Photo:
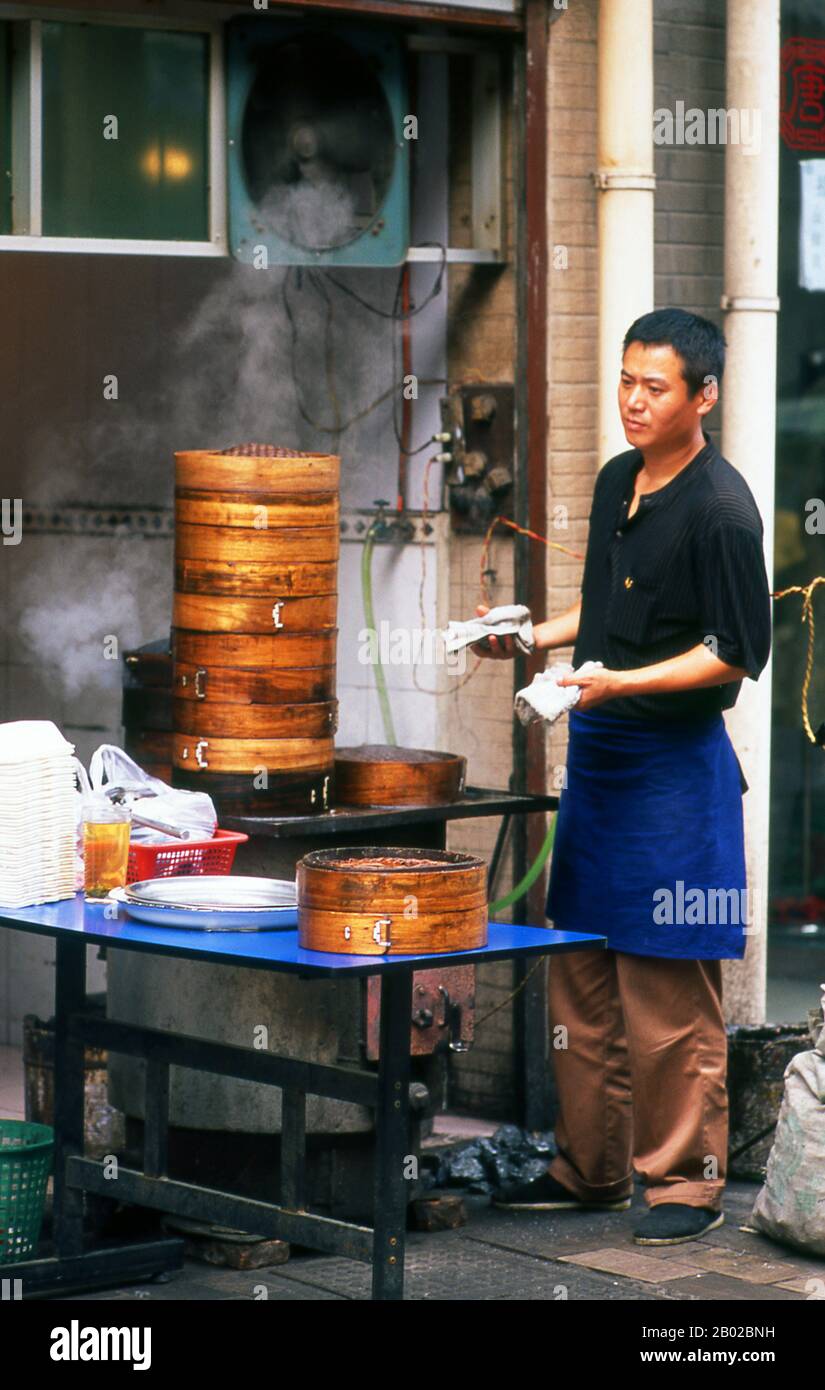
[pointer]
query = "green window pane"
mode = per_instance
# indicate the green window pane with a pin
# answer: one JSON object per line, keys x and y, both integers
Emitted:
{"x": 5, "y": 130}
{"x": 151, "y": 181}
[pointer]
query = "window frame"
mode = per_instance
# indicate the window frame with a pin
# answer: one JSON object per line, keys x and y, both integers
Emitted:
{"x": 27, "y": 139}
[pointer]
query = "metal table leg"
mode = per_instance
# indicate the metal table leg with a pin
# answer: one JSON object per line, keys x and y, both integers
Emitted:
{"x": 70, "y": 996}
{"x": 392, "y": 1137}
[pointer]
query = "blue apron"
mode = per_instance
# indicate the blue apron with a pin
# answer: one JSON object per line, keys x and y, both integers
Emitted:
{"x": 649, "y": 845}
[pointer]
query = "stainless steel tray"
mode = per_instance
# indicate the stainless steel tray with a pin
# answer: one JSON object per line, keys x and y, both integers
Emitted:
{"x": 212, "y": 902}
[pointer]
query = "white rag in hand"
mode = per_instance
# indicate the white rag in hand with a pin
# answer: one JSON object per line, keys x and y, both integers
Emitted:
{"x": 545, "y": 699}
{"x": 508, "y": 619}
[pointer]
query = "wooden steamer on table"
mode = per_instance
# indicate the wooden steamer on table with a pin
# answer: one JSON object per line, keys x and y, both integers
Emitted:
{"x": 370, "y": 901}
{"x": 379, "y": 774}
{"x": 254, "y": 628}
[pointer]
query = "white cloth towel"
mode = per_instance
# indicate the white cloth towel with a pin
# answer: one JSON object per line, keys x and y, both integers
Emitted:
{"x": 508, "y": 619}
{"x": 544, "y": 698}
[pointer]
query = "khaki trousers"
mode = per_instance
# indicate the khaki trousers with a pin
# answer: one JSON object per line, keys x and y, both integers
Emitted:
{"x": 640, "y": 1056}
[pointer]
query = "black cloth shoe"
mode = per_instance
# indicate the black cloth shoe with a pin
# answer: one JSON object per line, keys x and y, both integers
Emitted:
{"x": 671, "y": 1223}
{"x": 546, "y": 1194}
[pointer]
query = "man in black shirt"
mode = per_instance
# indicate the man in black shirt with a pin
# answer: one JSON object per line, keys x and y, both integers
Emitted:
{"x": 675, "y": 603}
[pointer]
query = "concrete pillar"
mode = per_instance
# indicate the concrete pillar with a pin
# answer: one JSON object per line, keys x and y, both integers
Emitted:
{"x": 625, "y": 181}
{"x": 749, "y": 396}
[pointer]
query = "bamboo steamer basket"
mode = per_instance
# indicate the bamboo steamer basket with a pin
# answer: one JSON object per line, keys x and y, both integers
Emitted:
{"x": 227, "y": 685}
{"x": 295, "y": 472}
{"x": 205, "y": 613}
{"x": 377, "y": 774}
{"x": 317, "y": 543}
{"x": 256, "y": 580}
{"x": 304, "y": 793}
{"x": 260, "y": 510}
{"x": 374, "y": 900}
{"x": 217, "y": 720}
{"x": 251, "y": 755}
{"x": 255, "y": 651}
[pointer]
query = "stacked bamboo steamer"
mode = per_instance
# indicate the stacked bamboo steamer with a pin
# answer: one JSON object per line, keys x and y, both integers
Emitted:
{"x": 254, "y": 627}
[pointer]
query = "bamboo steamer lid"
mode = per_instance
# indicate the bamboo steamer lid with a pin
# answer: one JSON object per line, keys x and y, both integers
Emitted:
{"x": 274, "y": 471}
{"x": 210, "y": 613}
{"x": 376, "y": 774}
{"x": 375, "y": 900}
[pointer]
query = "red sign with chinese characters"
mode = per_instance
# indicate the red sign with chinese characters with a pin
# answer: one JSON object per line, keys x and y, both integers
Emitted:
{"x": 802, "y": 118}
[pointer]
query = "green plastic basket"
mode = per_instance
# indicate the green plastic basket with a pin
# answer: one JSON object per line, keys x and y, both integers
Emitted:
{"x": 26, "y": 1154}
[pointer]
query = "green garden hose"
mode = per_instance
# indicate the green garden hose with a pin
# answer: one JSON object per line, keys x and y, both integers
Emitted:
{"x": 530, "y": 877}
{"x": 369, "y": 618}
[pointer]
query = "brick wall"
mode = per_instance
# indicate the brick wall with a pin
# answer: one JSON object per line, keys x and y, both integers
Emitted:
{"x": 689, "y": 65}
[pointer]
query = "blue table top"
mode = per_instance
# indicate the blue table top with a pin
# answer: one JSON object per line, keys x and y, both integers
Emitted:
{"x": 98, "y": 923}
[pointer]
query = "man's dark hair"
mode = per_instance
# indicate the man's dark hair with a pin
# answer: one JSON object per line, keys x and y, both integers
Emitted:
{"x": 699, "y": 343}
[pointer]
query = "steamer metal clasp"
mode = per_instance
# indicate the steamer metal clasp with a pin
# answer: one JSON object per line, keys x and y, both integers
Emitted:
{"x": 199, "y": 747}
{"x": 276, "y": 612}
{"x": 386, "y": 923}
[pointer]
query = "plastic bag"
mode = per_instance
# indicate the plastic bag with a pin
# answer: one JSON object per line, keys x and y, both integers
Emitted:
{"x": 149, "y": 796}
{"x": 790, "y": 1206}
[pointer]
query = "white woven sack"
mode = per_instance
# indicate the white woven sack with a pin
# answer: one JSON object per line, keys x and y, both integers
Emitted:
{"x": 790, "y": 1206}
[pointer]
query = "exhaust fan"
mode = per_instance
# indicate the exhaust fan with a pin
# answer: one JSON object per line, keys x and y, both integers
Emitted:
{"x": 318, "y": 162}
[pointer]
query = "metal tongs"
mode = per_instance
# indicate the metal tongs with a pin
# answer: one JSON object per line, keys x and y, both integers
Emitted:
{"x": 120, "y": 796}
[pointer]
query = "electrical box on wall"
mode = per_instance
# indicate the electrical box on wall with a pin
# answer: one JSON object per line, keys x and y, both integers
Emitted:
{"x": 479, "y": 422}
{"x": 318, "y": 162}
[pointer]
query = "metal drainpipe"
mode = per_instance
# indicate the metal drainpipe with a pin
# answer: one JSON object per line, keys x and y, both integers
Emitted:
{"x": 625, "y": 181}
{"x": 749, "y": 407}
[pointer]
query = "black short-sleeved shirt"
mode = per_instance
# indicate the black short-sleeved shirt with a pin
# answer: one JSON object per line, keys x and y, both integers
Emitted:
{"x": 688, "y": 567}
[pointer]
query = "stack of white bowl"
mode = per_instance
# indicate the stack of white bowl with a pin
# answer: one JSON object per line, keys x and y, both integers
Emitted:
{"x": 37, "y": 814}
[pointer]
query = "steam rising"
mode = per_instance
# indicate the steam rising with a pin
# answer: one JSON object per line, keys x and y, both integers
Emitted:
{"x": 113, "y": 593}
{"x": 204, "y": 356}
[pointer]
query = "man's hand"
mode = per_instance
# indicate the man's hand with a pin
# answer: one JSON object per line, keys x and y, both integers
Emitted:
{"x": 496, "y": 648}
{"x": 596, "y": 688}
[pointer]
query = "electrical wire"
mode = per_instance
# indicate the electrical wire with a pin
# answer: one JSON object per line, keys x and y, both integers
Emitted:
{"x": 394, "y": 313}
{"x": 523, "y": 531}
{"x": 341, "y": 426}
{"x": 807, "y": 616}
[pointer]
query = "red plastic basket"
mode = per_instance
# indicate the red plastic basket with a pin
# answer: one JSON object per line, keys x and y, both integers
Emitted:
{"x": 187, "y": 857}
